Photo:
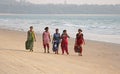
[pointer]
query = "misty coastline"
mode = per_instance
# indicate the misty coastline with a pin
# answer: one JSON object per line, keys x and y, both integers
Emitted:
{"x": 29, "y": 8}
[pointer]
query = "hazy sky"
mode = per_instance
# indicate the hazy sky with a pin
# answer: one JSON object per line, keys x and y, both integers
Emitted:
{"x": 75, "y": 1}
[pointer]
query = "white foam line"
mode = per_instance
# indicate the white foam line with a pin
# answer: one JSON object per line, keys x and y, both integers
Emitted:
{"x": 103, "y": 38}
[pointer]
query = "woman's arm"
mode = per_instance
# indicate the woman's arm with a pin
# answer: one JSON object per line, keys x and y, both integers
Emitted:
{"x": 53, "y": 39}
{"x": 83, "y": 40}
{"x": 34, "y": 35}
{"x": 49, "y": 37}
{"x": 61, "y": 36}
{"x": 27, "y": 35}
{"x": 43, "y": 36}
{"x": 68, "y": 36}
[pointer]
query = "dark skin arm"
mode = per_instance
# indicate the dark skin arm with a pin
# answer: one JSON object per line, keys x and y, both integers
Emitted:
{"x": 83, "y": 40}
{"x": 34, "y": 35}
{"x": 27, "y": 35}
{"x": 43, "y": 36}
{"x": 68, "y": 36}
{"x": 49, "y": 37}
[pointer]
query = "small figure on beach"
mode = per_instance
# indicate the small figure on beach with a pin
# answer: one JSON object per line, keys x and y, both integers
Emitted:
{"x": 64, "y": 42}
{"x": 56, "y": 41}
{"x": 46, "y": 39}
{"x": 79, "y": 41}
{"x": 30, "y": 39}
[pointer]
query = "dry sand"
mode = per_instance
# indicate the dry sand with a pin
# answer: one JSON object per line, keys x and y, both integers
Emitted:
{"x": 98, "y": 57}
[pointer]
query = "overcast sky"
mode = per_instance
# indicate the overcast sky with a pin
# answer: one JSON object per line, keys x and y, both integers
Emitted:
{"x": 75, "y": 1}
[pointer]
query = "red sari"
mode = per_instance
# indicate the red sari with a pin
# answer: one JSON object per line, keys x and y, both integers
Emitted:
{"x": 64, "y": 44}
{"x": 78, "y": 43}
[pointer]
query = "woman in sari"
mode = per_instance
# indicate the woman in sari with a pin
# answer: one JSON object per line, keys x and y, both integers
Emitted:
{"x": 79, "y": 42}
{"x": 30, "y": 39}
{"x": 46, "y": 39}
{"x": 64, "y": 43}
{"x": 56, "y": 41}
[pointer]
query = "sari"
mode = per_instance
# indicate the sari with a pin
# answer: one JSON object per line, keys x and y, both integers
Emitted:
{"x": 30, "y": 40}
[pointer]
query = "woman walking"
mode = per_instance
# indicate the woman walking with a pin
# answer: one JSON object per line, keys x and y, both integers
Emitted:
{"x": 56, "y": 41}
{"x": 30, "y": 39}
{"x": 79, "y": 42}
{"x": 64, "y": 43}
{"x": 46, "y": 39}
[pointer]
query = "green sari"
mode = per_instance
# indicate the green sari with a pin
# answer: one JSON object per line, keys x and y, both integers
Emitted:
{"x": 30, "y": 40}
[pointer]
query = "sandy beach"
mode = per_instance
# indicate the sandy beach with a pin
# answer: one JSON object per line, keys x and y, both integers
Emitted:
{"x": 98, "y": 57}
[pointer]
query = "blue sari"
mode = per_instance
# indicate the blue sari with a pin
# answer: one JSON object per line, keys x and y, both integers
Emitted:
{"x": 56, "y": 41}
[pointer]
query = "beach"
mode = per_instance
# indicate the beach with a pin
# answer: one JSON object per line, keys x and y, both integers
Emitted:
{"x": 98, "y": 57}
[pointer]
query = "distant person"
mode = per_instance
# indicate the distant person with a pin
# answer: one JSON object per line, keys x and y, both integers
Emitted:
{"x": 79, "y": 41}
{"x": 30, "y": 39}
{"x": 56, "y": 41}
{"x": 46, "y": 39}
{"x": 64, "y": 43}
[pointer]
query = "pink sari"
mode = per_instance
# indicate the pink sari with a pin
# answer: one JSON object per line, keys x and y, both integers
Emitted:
{"x": 46, "y": 39}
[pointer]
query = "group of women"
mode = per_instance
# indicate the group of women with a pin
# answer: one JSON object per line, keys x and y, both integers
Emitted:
{"x": 57, "y": 39}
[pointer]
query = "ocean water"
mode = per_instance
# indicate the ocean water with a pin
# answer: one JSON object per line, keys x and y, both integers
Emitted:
{"x": 95, "y": 27}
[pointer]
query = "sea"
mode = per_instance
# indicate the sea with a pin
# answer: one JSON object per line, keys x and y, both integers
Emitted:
{"x": 97, "y": 27}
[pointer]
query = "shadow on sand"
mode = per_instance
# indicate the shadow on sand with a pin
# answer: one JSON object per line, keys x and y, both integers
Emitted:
{"x": 18, "y": 50}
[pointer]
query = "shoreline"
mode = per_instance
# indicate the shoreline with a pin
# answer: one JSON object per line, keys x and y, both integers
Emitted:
{"x": 39, "y": 36}
{"x": 71, "y": 37}
{"x": 98, "y": 57}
